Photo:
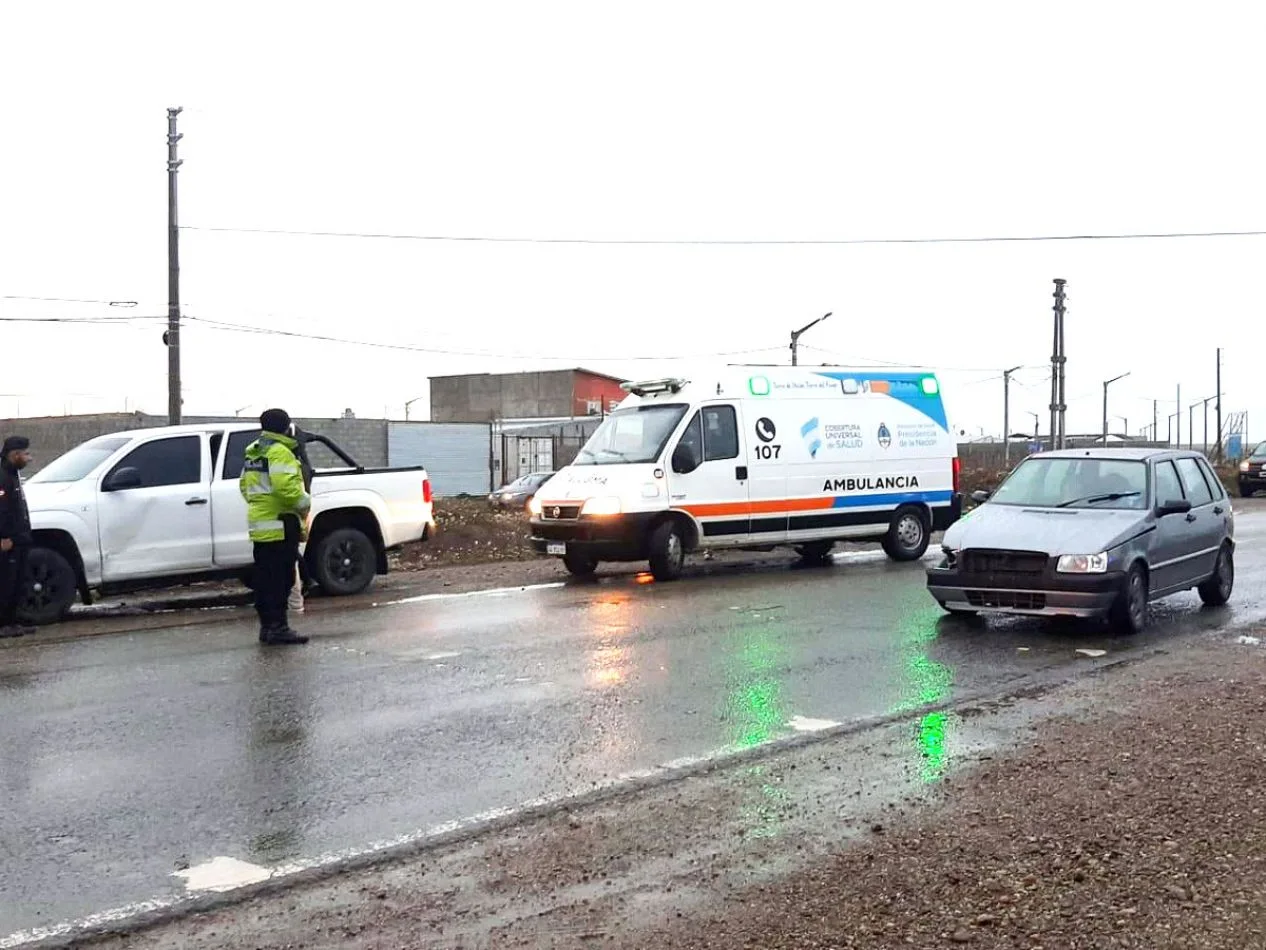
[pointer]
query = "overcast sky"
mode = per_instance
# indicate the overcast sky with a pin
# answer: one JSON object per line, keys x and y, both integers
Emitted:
{"x": 648, "y": 121}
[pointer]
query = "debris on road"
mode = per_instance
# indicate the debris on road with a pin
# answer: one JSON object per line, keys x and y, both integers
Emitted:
{"x": 1093, "y": 654}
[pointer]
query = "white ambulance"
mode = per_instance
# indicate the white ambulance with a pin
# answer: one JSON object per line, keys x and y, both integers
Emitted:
{"x": 755, "y": 458}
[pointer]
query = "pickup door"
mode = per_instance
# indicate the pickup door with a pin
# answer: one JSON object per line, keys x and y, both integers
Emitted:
{"x": 233, "y": 546}
{"x": 162, "y": 524}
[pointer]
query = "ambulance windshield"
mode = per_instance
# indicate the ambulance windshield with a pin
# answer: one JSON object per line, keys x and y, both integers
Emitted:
{"x": 637, "y": 434}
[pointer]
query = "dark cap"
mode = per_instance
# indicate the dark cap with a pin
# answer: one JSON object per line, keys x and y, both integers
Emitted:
{"x": 15, "y": 443}
{"x": 275, "y": 420}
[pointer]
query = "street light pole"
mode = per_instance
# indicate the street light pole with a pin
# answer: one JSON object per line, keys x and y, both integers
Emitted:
{"x": 1106, "y": 384}
{"x": 408, "y": 404}
{"x": 796, "y": 334}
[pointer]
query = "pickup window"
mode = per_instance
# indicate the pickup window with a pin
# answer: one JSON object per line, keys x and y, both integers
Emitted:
{"x": 235, "y": 455}
{"x": 175, "y": 461}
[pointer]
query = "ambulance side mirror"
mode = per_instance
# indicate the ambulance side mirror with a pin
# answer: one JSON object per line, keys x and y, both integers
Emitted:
{"x": 685, "y": 460}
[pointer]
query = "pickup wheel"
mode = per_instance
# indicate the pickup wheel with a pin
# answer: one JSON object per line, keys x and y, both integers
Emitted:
{"x": 48, "y": 587}
{"x": 344, "y": 562}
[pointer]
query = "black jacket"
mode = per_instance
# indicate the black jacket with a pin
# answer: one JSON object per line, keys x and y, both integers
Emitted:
{"x": 15, "y": 517}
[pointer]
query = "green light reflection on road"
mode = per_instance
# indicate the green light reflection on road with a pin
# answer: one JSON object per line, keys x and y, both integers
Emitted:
{"x": 754, "y": 702}
{"x": 925, "y": 682}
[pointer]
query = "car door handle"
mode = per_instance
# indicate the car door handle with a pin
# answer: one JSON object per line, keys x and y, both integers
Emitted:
{"x": 1190, "y": 517}
{"x": 740, "y": 472}
{"x": 196, "y": 501}
{"x": 1217, "y": 510}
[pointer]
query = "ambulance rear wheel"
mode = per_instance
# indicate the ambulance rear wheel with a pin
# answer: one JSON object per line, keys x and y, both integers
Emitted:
{"x": 815, "y": 552}
{"x": 667, "y": 552}
{"x": 908, "y": 534}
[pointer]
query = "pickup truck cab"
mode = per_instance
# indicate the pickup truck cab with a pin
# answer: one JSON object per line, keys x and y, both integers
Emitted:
{"x": 150, "y": 507}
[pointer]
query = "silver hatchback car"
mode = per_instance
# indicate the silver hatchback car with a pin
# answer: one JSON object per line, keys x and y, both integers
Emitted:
{"x": 1091, "y": 533}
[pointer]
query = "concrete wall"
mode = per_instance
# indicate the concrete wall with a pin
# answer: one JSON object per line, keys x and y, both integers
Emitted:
{"x": 364, "y": 439}
{"x": 483, "y": 397}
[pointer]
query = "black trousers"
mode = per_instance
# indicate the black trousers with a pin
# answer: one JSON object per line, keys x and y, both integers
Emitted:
{"x": 275, "y": 576}
{"x": 12, "y": 564}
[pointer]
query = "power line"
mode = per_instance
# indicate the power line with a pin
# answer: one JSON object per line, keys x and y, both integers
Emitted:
{"x": 87, "y": 320}
{"x": 854, "y": 359}
{"x": 439, "y": 351}
{"x": 108, "y": 303}
{"x": 491, "y": 239}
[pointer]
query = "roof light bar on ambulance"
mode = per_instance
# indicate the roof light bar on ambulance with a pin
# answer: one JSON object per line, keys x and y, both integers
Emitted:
{"x": 652, "y": 386}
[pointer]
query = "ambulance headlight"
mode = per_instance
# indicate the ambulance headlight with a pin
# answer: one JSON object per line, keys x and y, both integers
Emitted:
{"x": 602, "y": 505}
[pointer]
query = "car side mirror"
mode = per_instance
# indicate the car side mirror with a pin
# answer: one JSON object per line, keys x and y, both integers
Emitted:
{"x": 685, "y": 460}
{"x": 1174, "y": 507}
{"x": 980, "y": 496}
{"x": 122, "y": 479}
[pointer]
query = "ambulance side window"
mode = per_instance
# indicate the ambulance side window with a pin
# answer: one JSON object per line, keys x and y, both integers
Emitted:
{"x": 720, "y": 433}
{"x": 693, "y": 437}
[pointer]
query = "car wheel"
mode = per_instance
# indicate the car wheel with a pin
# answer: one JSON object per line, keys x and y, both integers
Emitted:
{"x": 1216, "y": 591}
{"x": 344, "y": 562}
{"x": 1129, "y": 613}
{"x": 581, "y": 565}
{"x": 907, "y": 538}
{"x": 815, "y": 552}
{"x": 48, "y": 587}
{"x": 668, "y": 552}
{"x": 1247, "y": 492}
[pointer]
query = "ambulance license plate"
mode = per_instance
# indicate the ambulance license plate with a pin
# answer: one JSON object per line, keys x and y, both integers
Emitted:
{"x": 556, "y": 548}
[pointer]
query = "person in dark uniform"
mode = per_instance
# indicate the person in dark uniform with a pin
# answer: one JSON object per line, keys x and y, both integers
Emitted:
{"x": 15, "y": 533}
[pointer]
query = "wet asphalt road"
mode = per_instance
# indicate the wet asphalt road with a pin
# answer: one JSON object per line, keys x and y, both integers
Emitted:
{"x": 126, "y": 758}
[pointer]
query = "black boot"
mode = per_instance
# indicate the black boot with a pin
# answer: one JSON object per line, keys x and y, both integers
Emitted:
{"x": 284, "y": 636}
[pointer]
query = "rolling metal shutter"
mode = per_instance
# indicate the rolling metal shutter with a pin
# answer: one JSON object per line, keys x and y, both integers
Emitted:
{"x": 455, "y": 454}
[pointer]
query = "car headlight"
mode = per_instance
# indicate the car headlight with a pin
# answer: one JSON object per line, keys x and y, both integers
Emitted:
{"x": 534, "y": 506}
{"x": 1082, "y": 564}
{"x": 602, "y": 505}
{"x": 1244, "y": 466}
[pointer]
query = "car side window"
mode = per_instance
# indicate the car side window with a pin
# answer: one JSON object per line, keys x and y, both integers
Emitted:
{"x": 235, "y": 455}
{"x": 1215, "y": 484}
{"x": 720, "y": 433}
{"x": 1193, "y": 480}
{"x": 1168, "y": 487}
{"x": 174, "y": 461}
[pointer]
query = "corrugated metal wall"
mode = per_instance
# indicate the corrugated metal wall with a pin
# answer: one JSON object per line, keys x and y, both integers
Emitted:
{"x": 456, "y": 454}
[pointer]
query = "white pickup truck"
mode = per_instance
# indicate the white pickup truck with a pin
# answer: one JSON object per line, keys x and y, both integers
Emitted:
{"x": 153, "y": 506}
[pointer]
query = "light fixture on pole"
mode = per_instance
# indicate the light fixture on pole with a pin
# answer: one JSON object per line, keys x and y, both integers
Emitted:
{"x": 410, "y": 403}
{"x": 1006, "y": 414}
{"x": 1106, "y": 384}
{"x": 796, "y": 334}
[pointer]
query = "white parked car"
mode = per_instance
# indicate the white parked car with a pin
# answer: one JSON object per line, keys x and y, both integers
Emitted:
{"x": 152, "y": 506}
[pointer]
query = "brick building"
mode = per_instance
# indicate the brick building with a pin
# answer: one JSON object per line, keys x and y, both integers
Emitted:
{"x": 485, "y": 397}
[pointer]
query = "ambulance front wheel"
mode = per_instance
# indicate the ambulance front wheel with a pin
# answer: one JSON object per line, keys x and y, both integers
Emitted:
{"x": 908, "y": 534}
{"x": 580, "y": 565}
{"x": 667, "y": 551}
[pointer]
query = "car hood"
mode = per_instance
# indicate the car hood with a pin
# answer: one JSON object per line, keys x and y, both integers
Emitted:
{"x": 1052, "y": 531}
{"x": 48, "y": 495}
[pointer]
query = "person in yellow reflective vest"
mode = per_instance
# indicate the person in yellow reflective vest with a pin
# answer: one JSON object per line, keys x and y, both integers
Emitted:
{"x": 277, "y": 507}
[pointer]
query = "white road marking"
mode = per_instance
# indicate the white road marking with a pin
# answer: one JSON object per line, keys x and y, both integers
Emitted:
{"x": 804, "y": 724}
{"x": 223, "y": 874}
{"x": 446, "y": 655}
{"x": 489, "y": 592}
{"x": 1093, "y": 653}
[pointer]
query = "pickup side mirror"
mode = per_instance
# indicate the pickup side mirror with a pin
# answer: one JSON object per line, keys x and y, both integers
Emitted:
{"x": 980, "y": 496}
{"x": 122, "y": 479}
{"x": 1175, "y": 506}
{"x": 685, "y": 460}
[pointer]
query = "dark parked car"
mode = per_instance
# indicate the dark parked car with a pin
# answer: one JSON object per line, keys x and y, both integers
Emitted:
{"x": 1091, "y": 533}
{"x": 520, "y": 491}
{"x": 1253, "y": 472}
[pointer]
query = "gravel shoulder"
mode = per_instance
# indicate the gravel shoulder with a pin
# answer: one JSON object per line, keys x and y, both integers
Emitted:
{"x": 1121, "y": 809}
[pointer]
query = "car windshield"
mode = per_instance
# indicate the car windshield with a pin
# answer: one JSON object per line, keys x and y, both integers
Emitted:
{"x": 1075, "y": 483}
{"x": 81, "y": 460}
{"x": 1260, "y": 451}
{"x": 637, "y": 434}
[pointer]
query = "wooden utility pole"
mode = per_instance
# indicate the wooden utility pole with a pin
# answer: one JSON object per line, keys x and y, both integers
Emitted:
{"x": 1218, "y": 452}
{"x": 172, "y": 336}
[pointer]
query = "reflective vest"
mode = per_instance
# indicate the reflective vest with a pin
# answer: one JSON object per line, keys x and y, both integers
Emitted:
{"x": 272, "y": 484}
